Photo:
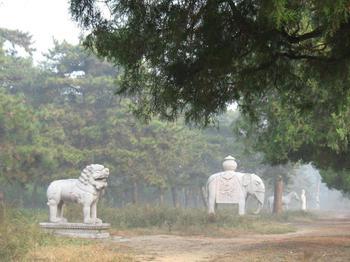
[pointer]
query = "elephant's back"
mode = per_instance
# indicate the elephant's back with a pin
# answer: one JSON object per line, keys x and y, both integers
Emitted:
{"x": 213, "y": 176}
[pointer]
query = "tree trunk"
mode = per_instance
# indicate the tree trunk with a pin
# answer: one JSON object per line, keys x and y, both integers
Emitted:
{"x": 2, "y": 207}
{"x": 194, "y": 197}
{"x": 124, "y": 198}
{"x": 161, "y": 196}
{"x": 135, "y": 196}
{"x": 185, "y": 194}
{"x": 174, "y": 196}
{"x": 198, "y": 200}
{"x": 189, "y": 197}
{"x": 277, "y": 203}
{"x": 21, "y": 197}
{"x": 34, "y": 195}
{"x": 203, "y": 196}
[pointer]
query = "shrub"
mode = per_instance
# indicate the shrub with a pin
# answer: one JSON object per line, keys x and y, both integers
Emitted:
{"x": 17, "y": 236}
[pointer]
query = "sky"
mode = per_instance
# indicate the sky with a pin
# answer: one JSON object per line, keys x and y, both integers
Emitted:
{"x": 43, "y": 19}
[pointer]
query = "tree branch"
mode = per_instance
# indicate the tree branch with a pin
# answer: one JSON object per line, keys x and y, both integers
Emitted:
{"x": 294, "y": 56}
{"x": 296, "y": 39}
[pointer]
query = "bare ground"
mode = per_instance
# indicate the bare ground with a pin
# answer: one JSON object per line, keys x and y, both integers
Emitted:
{"x": 326, "y": 239}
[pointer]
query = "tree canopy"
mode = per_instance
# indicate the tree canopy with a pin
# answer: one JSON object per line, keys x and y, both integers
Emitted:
{"x": 197, "y": 56}
{"x": 285, "y": 63}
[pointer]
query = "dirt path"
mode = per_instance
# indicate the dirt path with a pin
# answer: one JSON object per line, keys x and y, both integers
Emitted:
{"x": 322, "y": 240}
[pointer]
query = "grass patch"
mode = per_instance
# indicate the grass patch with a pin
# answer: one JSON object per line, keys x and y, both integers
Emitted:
{"x": 96, "y": 252}
{"x": 291, "y": 216}
{"x": 166, "y": 220}
{"x": 22, "y": 240}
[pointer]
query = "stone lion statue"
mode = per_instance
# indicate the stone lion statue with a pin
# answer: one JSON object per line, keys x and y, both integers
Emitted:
{"x": 85, "y": 190}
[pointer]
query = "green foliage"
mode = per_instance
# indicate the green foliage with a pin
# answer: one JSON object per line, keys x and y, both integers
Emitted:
{"x": 64, "y": 58}
{"x": 317, "y": 134}
{"x": 20, "y": 234}
{"x": 66, "y": 115}
{"x": 194, "y": 57}
{"x": 285, "y": 63}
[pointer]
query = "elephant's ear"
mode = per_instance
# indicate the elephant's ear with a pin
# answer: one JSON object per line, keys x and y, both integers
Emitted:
{"x": 246, "y": 180}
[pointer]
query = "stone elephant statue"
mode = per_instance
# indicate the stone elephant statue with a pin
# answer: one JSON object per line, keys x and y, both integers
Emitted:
{"x": 232, "y": 187}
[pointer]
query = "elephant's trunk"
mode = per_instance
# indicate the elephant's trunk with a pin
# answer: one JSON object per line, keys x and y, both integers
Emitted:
{"x": 260, "y": 196}
{"x": 257, "y": 211}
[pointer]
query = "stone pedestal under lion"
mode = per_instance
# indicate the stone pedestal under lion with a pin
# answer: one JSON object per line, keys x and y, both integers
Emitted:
{"x": 86, "y": 190}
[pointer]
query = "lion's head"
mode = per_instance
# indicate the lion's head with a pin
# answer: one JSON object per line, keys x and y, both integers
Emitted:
{"x": 95, "y": 175}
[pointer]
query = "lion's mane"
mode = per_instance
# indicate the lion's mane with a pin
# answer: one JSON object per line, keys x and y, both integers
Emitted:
{"x": 94, "y": 175}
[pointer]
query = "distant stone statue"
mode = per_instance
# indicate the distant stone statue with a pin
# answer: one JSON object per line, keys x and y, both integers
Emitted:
{"x": 286, "y": 200}
{"x": 303, "y": 200}
{"x": 317, "y": 197}
{"x": 85, "y": 190}
{"x": 233, "y": 187}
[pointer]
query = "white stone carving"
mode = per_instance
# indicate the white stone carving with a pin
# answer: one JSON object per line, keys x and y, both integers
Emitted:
{"x": 228, "y": 188}
{"x": 317, "y": 197}
{"x": 286, "y": 200}
{"x": 77, "y": 230}
{"x": 85, "y": 190}
{"x": 303, "y": 200}
{"x": 233, "y": 187}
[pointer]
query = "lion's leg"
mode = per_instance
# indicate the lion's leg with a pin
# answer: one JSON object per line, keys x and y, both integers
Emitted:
{"x": 94, "y": 213}
{"x": 53, "y": 213}
{"x": 60, "y": 208}
{"x": 87, "y": 214}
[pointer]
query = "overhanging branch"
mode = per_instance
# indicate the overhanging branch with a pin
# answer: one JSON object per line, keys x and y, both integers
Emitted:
{"x": 299, "y": 38}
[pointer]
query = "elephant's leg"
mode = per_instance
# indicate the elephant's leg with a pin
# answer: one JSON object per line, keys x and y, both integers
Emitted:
{"x": 87, "y": 214}
{"x": 211, "y": 204}
{"x": 211, "y": 198}
{"x": 241, "y": 208}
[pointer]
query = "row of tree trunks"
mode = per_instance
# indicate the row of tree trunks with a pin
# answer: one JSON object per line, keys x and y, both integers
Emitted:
{"x": 199, "y": 197}
{"x": 188, "y": 194}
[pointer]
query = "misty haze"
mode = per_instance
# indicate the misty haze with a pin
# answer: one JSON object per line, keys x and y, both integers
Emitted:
{"x": 174, "y": 130}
